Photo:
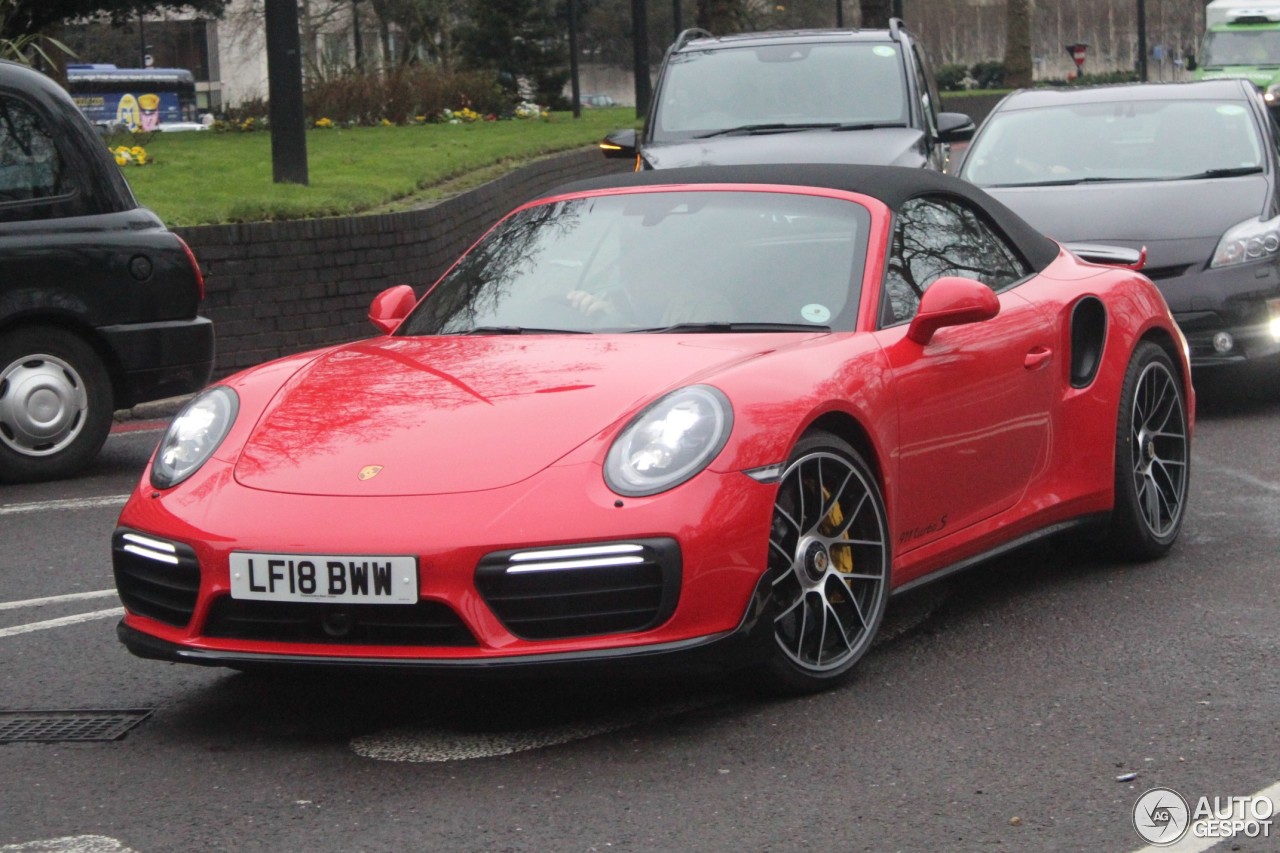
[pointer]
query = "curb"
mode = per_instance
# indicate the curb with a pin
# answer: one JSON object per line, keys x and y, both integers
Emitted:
{"x": 154, "y": 410}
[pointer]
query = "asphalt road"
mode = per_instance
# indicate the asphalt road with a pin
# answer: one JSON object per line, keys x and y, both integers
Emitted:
{"x": 1025, "y": 705}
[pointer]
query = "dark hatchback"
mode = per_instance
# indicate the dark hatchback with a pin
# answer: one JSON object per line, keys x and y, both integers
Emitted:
{"x": 810, "y": 96}
{"x": 99, "y": 302}
{"x": 1186, "y": 170}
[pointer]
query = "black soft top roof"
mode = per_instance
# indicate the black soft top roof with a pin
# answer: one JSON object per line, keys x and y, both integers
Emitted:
{"x": 892, "y": 185}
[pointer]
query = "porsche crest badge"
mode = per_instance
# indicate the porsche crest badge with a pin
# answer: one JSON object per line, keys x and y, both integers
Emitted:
{"x": 368, "y": 472}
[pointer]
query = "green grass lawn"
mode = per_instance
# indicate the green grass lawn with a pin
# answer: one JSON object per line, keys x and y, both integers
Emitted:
{"x": 199, "y": 178}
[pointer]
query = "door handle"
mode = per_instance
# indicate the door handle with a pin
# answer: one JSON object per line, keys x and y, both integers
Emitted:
{"x": 1038, "y": 358}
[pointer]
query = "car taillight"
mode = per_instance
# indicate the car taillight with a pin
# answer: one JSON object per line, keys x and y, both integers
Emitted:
{"x": 195, "y": 267}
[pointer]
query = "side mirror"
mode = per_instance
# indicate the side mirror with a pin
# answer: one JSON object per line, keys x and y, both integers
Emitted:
{"x": 619, "y": 145}
{"x": 955, "y": 127}
{"x": 952, "y": 301}
{"x": 391, "y": 306}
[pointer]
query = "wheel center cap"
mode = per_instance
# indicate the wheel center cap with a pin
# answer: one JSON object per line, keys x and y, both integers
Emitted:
{"x": 816, "y": 561}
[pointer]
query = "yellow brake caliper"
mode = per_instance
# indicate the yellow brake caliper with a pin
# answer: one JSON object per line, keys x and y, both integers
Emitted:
{"x": 842, "y": 558}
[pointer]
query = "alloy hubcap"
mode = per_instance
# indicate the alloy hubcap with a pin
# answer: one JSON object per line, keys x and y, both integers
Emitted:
{"x": 1159, "y": 434}
{"x": 828, "y": 560}
{"x": 42, "y": 405}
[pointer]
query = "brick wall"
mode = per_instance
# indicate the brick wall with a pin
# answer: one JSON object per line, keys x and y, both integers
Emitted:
{"x": 276, "y": 288}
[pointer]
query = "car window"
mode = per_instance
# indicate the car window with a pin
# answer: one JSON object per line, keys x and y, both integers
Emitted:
{"x": 928, "y": 92}
{"x": 1122, "y": 141}
{"x": 30, "y": 166}
{"x": 655, "y": 259}
{"x": 710, "y": 90}
{"x": 937, "y": 236}
{"x": 1240, "y": 47}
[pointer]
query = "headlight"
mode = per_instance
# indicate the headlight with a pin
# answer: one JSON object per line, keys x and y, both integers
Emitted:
{"x": 669, "y": 442}
{"x": 193, "y": 436}
{"x": 1251, "y": 240}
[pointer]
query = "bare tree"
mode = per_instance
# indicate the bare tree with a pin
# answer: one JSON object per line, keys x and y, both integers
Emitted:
{"x": 875, "y": 13}
{"x": 1017, "y": 43}
{"x": 720, "y": 16}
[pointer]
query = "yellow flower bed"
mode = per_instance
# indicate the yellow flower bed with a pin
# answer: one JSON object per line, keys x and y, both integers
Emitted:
{"x": 130, "y": 156}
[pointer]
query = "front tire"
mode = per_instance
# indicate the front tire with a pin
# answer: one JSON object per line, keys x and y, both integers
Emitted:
{"x": 55, "y": 404}
{"x": 829, "y": 559}
{"x": 1152, "y": 454}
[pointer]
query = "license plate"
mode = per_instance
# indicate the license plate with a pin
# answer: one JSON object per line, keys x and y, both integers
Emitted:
{"x": 321, "y": 577}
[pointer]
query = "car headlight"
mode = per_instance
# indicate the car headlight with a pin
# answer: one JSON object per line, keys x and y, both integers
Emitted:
{"x": 1251, "y": 240}
{"x": 1271, "y": 93}
{"x": 193, "y": 436}
{"x": 669, "y": 442}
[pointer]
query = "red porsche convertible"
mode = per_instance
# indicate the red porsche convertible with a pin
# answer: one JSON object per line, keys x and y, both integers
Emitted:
{"x": 723, "y": 413}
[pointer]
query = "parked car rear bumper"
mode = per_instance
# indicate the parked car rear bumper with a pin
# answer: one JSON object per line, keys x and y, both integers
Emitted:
{"x": 159, "y": 360}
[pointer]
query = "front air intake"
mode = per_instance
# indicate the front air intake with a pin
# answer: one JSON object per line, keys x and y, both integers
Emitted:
{"x": 582, "y": 589}
{"x": 156, "y": 578}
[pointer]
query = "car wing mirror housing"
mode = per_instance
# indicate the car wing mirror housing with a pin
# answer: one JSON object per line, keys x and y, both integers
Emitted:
{"x": 390, "y": 307}
{"x": 1114, "y": 256}
{"x": 955, "y": 127}
{"x": 619, "y": 145}
{"x": 952, "y": 301}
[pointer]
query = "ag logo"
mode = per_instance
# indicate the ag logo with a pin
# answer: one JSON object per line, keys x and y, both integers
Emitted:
{"x": 1161, "y": 817}
{"x": 368, "y": 472}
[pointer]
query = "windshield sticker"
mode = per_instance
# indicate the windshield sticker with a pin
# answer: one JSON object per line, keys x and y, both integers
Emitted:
{"x": 884, "y": 50}
{"x": 815, "y": 313}
{"x": 1230, "y": 110}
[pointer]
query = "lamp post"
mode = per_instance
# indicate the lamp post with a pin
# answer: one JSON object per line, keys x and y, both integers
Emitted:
{"x": 1142, "y": 40}
{"x": 640, "y": 48}
{"x": 574, "y": 86}
{"x": 284, "y": 89}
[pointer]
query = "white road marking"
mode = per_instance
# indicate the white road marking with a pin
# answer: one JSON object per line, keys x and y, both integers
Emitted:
{"x": 1191, "y": 843}
{"x": 1244, "y": 476}
{"x": 59, "y": 623}
{"x": 68, "y": 503}
{"x": 69, "y": 844}
{"x": 56, "y": 599}
{"x": 419, "y": 746}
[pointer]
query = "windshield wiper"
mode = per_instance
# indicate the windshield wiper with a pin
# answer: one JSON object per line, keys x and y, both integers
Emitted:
{"x": 679, "y": 328}
{"x": 1066, "y": 182}
{"x": 747, "y": 129}
{"x": 518, "y": 330}
{"x": 1231, "y": 172}
{"x": 867, "y": 125}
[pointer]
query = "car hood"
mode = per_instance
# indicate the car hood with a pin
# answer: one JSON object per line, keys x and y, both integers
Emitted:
{"x": 1180, "y": 222}
{"x": 885, "y": 146}
{"x": 457, "y": 414}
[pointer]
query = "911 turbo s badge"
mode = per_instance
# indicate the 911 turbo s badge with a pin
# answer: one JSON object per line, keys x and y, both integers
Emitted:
{"x": 368, "y": 472}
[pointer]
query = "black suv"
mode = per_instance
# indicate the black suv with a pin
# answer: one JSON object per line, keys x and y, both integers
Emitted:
{"x": 98, "y": 300}
{"x": 806, "y": 96}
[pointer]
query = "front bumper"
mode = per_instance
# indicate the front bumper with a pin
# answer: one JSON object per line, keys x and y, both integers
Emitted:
{"x": 1229, "y": 315}
{"x": 180, "y": 607}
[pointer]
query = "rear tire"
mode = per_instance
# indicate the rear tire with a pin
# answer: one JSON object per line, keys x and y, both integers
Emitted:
{"x": 55, "y": 404}
{"x": 829, "y": 559}
{"x": 1153, "y": 450}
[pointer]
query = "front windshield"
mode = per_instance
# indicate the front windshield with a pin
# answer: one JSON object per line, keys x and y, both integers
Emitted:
{"x": 794, "y": 84}
{"x": 1121, "y": 141}
{"x": 658, "y": 259}
{"x": 1241, "y": 47}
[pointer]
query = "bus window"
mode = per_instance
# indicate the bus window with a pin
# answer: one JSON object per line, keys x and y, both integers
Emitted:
{"x": 138, "y": 98}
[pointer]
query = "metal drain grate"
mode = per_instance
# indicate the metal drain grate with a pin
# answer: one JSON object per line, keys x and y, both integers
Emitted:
{"x": 62, "y": 726}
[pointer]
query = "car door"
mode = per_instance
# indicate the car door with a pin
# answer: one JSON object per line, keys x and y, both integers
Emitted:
{"x": 974, "y": 402}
